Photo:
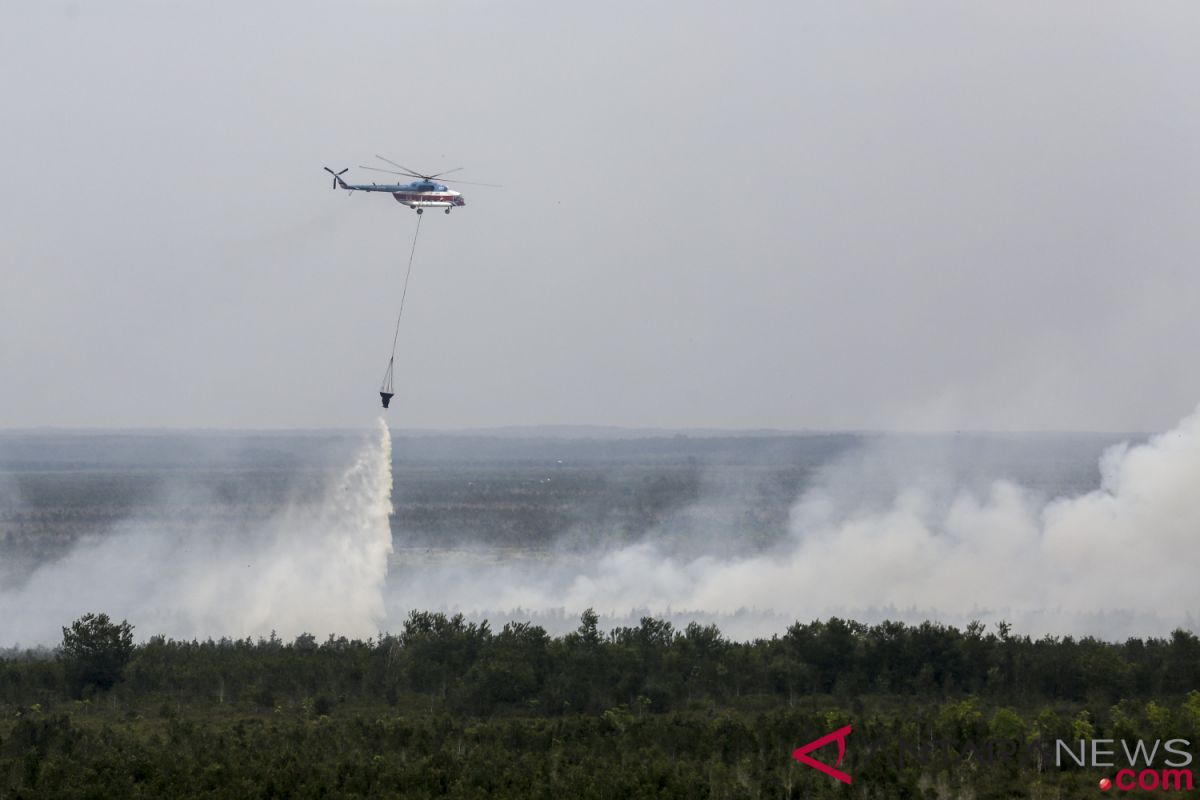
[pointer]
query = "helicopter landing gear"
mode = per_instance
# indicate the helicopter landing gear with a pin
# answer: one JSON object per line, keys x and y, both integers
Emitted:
{"x": 447, "y": 211}
{"x": 420, "y": 211}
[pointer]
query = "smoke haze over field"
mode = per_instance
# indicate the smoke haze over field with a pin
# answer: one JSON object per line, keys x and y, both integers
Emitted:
{"x": 1113, "y": 562}
{"x": 878, "y": 533}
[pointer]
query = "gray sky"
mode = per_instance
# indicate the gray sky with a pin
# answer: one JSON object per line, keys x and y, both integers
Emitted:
{"x": 793, "y": 215}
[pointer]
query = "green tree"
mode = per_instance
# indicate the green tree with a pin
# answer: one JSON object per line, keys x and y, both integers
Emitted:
{"x": 95, "y": 651}
{"x": 1007, "y": 724}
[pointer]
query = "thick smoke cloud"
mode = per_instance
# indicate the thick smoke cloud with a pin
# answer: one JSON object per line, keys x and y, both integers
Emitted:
{"x": 1112, "y": 562}
{"x": 920, "y": 543}
{"x": 316, "y": 565}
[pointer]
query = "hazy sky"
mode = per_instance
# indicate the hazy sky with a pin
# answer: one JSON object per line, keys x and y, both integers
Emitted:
{"x": 791, "y": 215}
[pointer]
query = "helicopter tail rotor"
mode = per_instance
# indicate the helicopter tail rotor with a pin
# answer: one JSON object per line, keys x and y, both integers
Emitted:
{"x": 337, "y": 178}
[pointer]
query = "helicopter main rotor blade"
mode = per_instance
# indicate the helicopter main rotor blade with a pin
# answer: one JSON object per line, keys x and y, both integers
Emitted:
{"x": 401, "y": 166}
{"x": 431, "y": 177}
{"x": 391, "y": 171}
{"x": 414, "y": 173}
{"x": 473, "y": 183}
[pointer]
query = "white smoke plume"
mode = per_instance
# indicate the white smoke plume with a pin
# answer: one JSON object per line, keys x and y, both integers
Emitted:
{"x": 317, "y": 565}
{"x": 1117, "y": 561}
{"x": 1113, "y": 562}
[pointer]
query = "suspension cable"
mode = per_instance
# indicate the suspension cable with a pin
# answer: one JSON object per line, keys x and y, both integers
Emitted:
{"x": 387, "y": 376}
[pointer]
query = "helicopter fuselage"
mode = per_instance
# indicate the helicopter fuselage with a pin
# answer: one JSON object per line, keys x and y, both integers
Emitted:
{"x": 418, "y": 195}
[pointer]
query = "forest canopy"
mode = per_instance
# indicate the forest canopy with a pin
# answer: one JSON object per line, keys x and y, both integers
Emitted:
{"x": 450, "y": 707}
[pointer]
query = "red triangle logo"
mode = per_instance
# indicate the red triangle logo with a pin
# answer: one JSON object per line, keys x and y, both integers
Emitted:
{"x": 801, "y": 753}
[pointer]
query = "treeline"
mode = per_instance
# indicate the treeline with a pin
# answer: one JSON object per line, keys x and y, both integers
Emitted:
{"x": 449, "y": 708}
{"x": 446, "y": 663}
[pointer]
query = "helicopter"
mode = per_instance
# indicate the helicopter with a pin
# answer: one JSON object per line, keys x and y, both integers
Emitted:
{"x": 418, "y": 195}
